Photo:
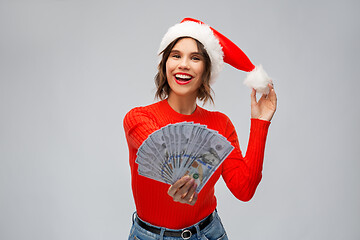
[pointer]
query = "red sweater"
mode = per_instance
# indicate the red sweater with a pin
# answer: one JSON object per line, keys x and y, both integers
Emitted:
{"x": 241, "y": 174}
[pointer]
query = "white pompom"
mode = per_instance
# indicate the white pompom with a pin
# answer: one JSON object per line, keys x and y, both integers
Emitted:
{"x": 258, "y": 79}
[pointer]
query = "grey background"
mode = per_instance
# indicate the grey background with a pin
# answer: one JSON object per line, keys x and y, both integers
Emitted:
{"x": 70, "y": 70}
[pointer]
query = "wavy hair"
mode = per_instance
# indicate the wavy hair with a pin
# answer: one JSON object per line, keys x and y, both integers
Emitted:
{"x": 205, "y": 92}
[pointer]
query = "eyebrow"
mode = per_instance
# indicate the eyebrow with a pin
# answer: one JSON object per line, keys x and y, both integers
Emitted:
{"x": 177, "y": 51}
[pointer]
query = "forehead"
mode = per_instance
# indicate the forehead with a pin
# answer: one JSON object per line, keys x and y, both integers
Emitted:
{"x": 186, "y": 45}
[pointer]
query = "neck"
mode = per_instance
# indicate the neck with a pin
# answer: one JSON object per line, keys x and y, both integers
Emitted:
{"x": 181, "y": 104}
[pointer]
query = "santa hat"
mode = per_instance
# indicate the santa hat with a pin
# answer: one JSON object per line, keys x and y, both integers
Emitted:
{"x": 220, "y": 49}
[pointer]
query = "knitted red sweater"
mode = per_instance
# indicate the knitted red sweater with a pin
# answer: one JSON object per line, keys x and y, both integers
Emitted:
{"x": 241, "y": 174}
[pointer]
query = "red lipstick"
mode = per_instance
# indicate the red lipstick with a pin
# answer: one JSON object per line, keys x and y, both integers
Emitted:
{"x": 183, "y": 78}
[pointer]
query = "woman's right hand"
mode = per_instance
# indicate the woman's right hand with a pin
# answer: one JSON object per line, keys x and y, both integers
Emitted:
{"x": 183, "y": 190}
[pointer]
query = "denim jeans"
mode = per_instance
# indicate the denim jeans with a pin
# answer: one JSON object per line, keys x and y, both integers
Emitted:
{"x": 213, "y": 231}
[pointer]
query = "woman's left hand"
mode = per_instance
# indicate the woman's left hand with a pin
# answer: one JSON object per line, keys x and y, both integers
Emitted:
{"x": 265, "y": 107}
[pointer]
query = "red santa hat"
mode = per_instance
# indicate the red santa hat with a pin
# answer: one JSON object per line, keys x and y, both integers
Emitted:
{"x": 220, "y": 49}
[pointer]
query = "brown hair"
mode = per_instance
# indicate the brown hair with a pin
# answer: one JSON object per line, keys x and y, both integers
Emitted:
{"x": 163, "y": 89}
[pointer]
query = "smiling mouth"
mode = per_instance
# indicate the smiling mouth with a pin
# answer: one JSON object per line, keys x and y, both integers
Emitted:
{"x": 183, "y": 78}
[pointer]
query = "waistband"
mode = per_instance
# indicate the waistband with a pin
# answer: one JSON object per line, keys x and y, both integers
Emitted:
{"x": 185, "y": 233}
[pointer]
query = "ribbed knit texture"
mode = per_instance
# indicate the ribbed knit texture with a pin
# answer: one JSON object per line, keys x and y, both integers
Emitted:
{"x": 241, "y": 174}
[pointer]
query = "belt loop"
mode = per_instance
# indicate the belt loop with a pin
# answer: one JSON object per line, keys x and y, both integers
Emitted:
{"x": 162, "y": 233}
{"x": 133, "y": 215}
{"x": 198, "y": 234}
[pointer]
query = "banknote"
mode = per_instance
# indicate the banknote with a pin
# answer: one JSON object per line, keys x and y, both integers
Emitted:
{"x": 179, "y": 149}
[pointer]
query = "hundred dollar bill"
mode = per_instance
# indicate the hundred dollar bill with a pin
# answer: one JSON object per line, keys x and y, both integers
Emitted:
{"x": 180, "y": 149}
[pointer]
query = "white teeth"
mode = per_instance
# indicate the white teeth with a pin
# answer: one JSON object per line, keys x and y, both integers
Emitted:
{"x": 186, "y": 77}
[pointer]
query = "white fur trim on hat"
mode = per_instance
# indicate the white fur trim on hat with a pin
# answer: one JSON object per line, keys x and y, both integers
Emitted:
{"x": 203, "y": 34}
{"x": 258, "y": 79}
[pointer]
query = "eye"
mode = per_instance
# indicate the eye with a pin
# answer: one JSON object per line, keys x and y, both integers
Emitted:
{"x": 175, "y": 56}
{"x": 196, "y": 58}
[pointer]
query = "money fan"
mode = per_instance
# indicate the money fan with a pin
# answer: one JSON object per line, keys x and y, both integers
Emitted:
{"x": 182, "y": 149}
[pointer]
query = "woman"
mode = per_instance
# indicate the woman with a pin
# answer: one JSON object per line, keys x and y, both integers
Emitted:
{"x": 190, "y": 62}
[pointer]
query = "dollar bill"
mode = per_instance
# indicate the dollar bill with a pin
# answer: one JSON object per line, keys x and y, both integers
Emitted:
{"x": 179, "y": 149}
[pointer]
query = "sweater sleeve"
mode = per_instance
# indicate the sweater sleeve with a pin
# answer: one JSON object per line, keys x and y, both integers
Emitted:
{"x": 243, "y": 174}
{"x": 138, "y": 125}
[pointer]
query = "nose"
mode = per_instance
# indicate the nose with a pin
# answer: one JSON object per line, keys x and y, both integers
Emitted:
{"x": 184, "y": 63}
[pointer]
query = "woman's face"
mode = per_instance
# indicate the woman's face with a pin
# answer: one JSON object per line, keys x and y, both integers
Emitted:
{"x": 184, "y": 68}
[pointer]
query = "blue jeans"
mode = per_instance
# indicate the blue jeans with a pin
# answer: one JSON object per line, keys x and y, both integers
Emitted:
{"x": 214, "y": 231}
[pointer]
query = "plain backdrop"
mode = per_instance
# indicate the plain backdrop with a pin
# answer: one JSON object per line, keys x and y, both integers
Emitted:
{"x": 71, "y": 69}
